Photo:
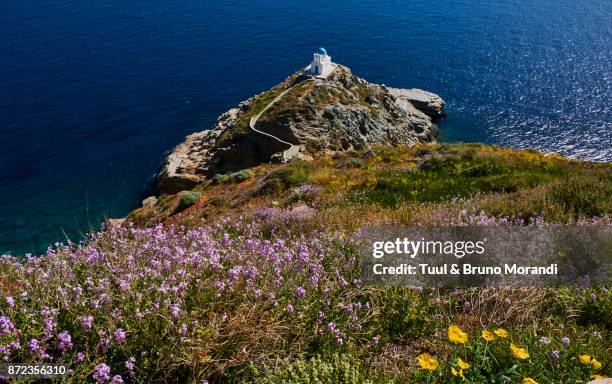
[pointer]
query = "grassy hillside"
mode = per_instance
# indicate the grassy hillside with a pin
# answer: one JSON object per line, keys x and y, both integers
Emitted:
{"x": 254, "y": 277}
{"x": 427, "y": 184}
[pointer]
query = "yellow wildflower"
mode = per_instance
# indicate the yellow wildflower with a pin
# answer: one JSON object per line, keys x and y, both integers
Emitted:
{"x": 458, "y": 373}
{"x": 529, "y": 380}
{"x": 488, "y": 335}
{"x": 596, "y": 364}
{"x": 519, "y": 353}
{"x": 501, "y": 332}
{"x": 585, "y": 359}
{"x": 427, "y": 361}
{"x": 462, "y": 364}
{"x": 597, "y": 377}
{"x": 456, "y": 335}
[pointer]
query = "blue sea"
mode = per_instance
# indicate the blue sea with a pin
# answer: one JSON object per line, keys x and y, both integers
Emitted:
{"x": 94, "y": 93}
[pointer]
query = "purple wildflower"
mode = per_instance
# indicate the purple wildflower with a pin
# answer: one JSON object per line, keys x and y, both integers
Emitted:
{"x": 101, "y": 373}
{"x": 36, "y": 349}
{"x": 50, "y": 325}
{"x": 175, "y": 310}
{"x": 307, "y": 189}
{"x": 65, "y": 341}
{"x": 544, "y": 340}
{"x": 300, "y": 292}
{"x": 130, "y": 364}
{"x": 117, "y": 379}
{"x": 33, "y": 346}
{"x": 119, "y": 335}
{"x": 6, "y": 325}
{"x": 565, "y": 340}
{"x": 86, "y": 322}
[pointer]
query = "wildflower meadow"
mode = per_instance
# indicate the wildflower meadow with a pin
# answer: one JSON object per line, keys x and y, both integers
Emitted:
{"x": 259, "y": 281}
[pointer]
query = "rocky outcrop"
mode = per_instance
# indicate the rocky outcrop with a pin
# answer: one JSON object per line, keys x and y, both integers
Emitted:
{"x": 339, "y": 113}
{"x": 149, "y": 202}
{"x": 188, "y": 164}
{"x": 429, "y": 103}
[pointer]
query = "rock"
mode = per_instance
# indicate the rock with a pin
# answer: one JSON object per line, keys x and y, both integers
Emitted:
{"x": 149, "y": 201}
{"x": 343, "y": 112}
{"x": 429, "y": 103}
{"x": 187, "y": 165}
{"x": 601, "y": 381}
{"x": 296, "y": 152}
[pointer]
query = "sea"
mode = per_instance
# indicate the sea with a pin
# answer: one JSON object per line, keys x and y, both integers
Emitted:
{"x": 93, "y": 94}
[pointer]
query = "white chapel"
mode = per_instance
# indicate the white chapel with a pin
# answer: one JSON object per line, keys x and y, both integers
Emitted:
{"x": 321, "y": 65}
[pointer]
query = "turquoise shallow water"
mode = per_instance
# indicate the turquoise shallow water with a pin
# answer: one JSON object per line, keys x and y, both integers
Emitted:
{"x": 93, "y": 93}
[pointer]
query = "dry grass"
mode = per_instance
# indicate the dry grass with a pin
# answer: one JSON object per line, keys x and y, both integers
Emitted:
{"x": 7, "y": 286}
{"x": 504, "y": 306}
{"x": 250, "y": 334}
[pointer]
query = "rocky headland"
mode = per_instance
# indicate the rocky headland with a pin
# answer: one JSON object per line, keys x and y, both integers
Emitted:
{"x": 301, "y": 118}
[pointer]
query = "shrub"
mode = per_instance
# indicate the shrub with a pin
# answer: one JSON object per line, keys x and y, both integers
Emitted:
{"x": 272, "y": 185}
{"x": 186, "y": 200}
{"x": 220, "y": 179}
{"x": 353, "y": 162}
{"x": 339, "y": 369}
{"x": 285, "y": 177}
{"x": 422, "y": 151}
{"x": 241, "y": 176}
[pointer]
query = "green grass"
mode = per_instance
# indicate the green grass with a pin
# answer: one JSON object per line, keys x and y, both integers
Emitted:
{"x": 442, "y": 178}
